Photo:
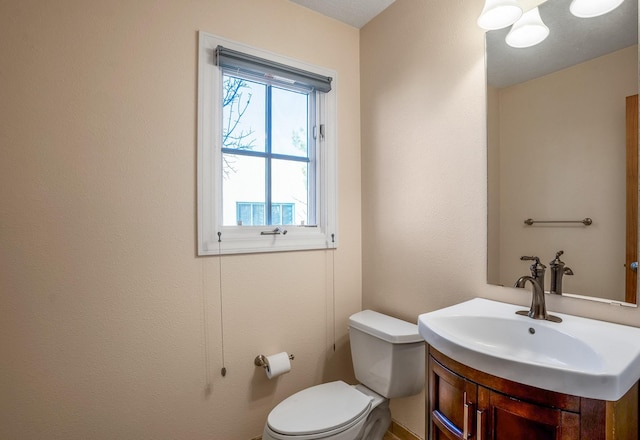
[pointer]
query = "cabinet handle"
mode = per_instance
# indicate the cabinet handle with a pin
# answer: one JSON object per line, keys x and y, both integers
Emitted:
{"x": 479, "y": 416}
{"x": 468, "y": 407}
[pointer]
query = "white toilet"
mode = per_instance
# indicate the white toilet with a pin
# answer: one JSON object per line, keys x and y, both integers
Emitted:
{"x": 388, "y": 359}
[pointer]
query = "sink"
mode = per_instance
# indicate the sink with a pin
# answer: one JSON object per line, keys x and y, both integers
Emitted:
{"x": 579, "y": 356}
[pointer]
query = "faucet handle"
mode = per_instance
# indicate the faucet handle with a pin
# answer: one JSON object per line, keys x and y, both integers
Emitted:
{"x": 537, "y": 266}
{"x": 557, "y": 263}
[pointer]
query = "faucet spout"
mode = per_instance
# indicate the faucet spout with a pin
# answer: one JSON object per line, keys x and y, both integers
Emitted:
{"x": 538, "y": 309}
{"x": 558, "y": 271}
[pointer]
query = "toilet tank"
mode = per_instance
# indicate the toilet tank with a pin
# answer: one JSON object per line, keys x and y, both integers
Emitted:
{"x": 388, "y": 354}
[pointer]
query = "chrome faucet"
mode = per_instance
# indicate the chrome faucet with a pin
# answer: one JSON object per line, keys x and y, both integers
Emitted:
{"x": 558, "y": 270}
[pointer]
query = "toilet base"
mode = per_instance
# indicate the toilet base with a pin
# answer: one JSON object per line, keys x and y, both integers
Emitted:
{"x": 373, "y": 427}
{"x": 377, "y": 423}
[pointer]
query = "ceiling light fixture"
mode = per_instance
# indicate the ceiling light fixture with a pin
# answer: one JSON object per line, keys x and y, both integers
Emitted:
{"x": 498, "y": 14}
{"x": 528, "y": 31}
{"x": 528, "y": 28}
{"x": 593, "y": 8}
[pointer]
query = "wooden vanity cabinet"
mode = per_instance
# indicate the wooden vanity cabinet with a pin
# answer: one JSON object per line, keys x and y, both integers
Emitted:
{"x": 467, "y": 404}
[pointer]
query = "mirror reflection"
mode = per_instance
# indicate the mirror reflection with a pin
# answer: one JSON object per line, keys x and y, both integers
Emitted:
{"x": 557, "y": 152}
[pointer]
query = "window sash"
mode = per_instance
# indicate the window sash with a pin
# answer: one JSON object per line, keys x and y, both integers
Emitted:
{"x": 270, "y": 156}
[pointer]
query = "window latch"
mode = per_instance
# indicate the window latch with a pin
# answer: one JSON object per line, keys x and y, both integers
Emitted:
{"x": 276, "y": 231}
{"x": 318, "y": 131}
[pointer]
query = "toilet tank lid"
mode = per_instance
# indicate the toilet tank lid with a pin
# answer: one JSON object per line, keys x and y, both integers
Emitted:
{"x": 385, "y": 327}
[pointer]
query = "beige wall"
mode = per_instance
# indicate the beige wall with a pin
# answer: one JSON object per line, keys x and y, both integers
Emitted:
{"x": 109, "y": 325}
{"x": 424, "y": 169}
{"x": 562, "y": 156}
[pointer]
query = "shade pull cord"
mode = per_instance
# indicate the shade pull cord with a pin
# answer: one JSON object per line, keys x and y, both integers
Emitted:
{"x": 223, "y": 371}
{"x": 205, "y": 321}
{"x": 333, "y": 286}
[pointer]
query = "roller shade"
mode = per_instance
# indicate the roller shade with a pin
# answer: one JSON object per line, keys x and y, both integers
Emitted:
{"x": 245, "y": 63}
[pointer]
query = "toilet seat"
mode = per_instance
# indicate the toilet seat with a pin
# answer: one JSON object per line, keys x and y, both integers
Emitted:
{"x": 321, "y": 410}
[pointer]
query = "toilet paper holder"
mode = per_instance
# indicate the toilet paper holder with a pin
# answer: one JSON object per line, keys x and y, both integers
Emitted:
{"x": 261, "y": 360}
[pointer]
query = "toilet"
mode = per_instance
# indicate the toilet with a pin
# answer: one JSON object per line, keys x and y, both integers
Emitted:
{"x": 388, "y": 359}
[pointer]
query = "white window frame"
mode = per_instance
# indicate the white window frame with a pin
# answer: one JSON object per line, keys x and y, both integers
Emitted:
{"x": 213, "y": 237}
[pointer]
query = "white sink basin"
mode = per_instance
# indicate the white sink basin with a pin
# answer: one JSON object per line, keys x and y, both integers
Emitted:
{"x": 578, "y": 356}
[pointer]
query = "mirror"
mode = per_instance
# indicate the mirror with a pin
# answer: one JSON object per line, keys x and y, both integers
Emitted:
{"x": 556, "y": 129}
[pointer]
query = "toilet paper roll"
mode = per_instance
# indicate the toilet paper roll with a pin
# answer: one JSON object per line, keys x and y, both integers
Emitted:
{"x": 277, "y": 364}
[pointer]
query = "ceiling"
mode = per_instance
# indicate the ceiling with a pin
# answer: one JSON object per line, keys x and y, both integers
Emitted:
{"x": 571, "y": 40}
{"x": 356, "y": 13}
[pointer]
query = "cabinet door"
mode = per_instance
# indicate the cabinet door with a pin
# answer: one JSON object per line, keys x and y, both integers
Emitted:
{"x": 452, "y": 400}
{"x": 504, "y": 418}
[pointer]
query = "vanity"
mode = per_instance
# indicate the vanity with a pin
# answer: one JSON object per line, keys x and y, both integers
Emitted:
{"x": 493, "y": 374}
{"x": 465, "y": 403}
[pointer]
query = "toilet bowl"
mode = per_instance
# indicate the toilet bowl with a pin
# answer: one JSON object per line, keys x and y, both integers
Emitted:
{"x": 388, "y": 357}
{"x": 332, "y": 411}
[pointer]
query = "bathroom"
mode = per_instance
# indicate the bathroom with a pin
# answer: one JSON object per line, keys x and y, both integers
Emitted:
{"x": 110, "y": 325}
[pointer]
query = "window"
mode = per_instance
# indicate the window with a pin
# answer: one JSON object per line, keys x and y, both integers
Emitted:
{"x": 266, "y": 151}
